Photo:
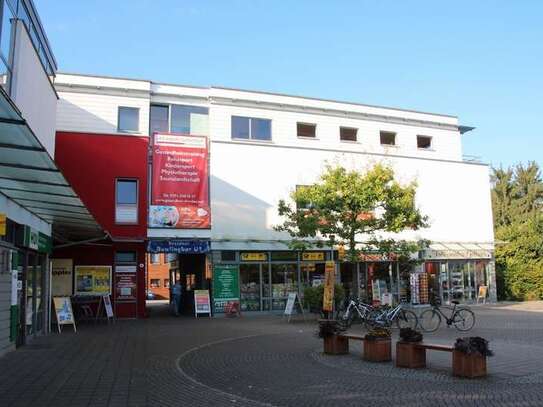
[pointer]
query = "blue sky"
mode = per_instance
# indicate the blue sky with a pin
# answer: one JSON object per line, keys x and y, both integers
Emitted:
{"x": 479, "y": 60}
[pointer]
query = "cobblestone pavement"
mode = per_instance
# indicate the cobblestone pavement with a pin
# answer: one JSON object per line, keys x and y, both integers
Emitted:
{"x": 262, "y": 360}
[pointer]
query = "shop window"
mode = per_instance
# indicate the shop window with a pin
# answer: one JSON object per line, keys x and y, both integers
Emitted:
{"x": 155, "y": 258}
{"x": 154, "y": 283}
{"x": 306, "y": 130}
{"x": 166, "y": 283}
{"x": 424, "y": 142}
{"x": 347, "y": 133}
{"x": 388, "y": 138}
{"x": 125, "y": 257}
{"x": 159, "y": 119}
{"x": 128, "y": 119}
{"x": 251, "y": 128}
{"x": 126, "y": 201}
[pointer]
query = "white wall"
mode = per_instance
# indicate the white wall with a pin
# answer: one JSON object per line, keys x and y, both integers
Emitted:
{"x": 247, "y": 181}
{"x": 32, "y": 91}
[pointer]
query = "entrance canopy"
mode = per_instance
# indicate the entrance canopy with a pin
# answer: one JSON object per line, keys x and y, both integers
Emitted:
{"x": 30, "y": 177}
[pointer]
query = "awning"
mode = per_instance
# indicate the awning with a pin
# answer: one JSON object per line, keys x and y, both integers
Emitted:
{"x": 30, "y": 177}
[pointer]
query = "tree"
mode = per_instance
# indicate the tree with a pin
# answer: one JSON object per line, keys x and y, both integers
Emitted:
{"x": 345, "y": 206}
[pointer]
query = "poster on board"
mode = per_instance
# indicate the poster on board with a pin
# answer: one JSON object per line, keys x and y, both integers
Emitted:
{"x": 64, "y": 312}
{"x": 202, "y": 304}
{"x": 61, "y": 277}
{"x": 180, "y": 182}
{"x": 92, "y": 280}
{"x": 225, "y": 286}
{"x": 125, "y": 287}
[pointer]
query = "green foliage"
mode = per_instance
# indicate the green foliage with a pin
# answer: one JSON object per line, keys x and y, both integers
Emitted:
{"x": 313, "y": 297}
{"x": 517, "y": 202}
{"x": 346, "y": 205}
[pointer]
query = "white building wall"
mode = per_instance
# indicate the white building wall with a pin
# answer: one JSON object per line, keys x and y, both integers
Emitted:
{"x": 32, "y": 91}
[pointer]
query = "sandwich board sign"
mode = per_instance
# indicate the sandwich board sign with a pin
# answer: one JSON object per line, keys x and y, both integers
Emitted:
{"x": 291, "y": 303}
{"x": 64, "y": 312}
{"x": 202, "y": 304}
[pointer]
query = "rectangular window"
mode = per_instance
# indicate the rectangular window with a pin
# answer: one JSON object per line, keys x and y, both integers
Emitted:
{"x": 388, "y": 138}
{"x": 6, "y": 33}
{"x": 155, "y": 283}
{"x": 189, "y": 120}
{"x": 347, "y": 133}
{"x": 251, "y": 128}
{"x": 424, "y": 142}
{"x": 129, "y": 118}
{"x": 126, "y": 201}
{"x": 155, "y": 258}
{"x": 306, "y": 130}
{"x": 166, "y": 283}
{"x": 159, "y": 119}
{"x": 125, "y": 257}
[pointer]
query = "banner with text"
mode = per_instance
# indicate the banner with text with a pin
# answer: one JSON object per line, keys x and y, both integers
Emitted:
{"x": 180, "y": 182}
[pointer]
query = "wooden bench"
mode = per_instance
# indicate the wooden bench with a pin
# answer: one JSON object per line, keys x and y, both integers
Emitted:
{"x": 373, "y": 351}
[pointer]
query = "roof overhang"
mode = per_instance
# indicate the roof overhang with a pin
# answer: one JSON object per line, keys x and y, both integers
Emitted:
{"x": 30, "y": 177}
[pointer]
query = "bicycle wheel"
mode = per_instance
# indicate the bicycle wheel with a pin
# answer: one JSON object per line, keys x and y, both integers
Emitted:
{"x": 370, "y": 318}
{"x": 463, "y": 319}
{"x": 406, "y": 319}
{"x": 430, "y": 320}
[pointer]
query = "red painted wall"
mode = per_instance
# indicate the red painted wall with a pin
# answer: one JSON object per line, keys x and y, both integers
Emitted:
{"x": 92, "y": 162}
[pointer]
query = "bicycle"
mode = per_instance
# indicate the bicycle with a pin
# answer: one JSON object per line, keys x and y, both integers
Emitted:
{"x": 362, "y": 309}
{"x": 385, "y": 318}
{"x": 461, "y": 317}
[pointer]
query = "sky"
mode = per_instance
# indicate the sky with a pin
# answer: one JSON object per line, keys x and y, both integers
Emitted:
{"x": 479, "y": 60}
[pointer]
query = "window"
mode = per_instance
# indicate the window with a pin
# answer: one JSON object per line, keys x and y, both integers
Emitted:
{"x": 126, "y": 201}
{"x": 155, "y": 258}
{"x": 159, "y": 119}
{"x": 125, "y": 257}
{"x": 129, "y": 118}
{"x": 171, "y": 257}
{"x": 251, "y": 128}
{"x": 424, "y": 142}
{"x": 388, "y": 138}
{"x": 166, "y": 283}
{"x": 347, "y": 133}
{"x": 189, "y": 120}
{"x": 155, "y": 283}
{"x": 306, "y": 129}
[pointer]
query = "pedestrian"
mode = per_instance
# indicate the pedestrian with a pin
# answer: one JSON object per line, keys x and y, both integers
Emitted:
{"x": 176, "y": 293}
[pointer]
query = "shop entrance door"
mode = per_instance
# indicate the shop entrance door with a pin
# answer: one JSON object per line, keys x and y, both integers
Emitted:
{"x": 250, "y": 288}
{"x": 192, "y": 277}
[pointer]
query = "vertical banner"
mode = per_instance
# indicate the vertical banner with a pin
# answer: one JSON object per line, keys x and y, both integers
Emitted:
{"x": 329, "y": 281}
{"x": 225, "y": 286}
{"x": 180, "y": 182}
{"x": 61, "y": 277}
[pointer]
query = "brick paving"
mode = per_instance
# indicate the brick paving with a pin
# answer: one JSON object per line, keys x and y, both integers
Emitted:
{"x": 262, "y": 360}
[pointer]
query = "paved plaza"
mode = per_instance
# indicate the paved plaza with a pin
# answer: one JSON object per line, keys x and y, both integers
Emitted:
{"x": 263, "y": 360}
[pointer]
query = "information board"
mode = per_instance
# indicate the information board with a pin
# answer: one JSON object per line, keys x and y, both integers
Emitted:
{"x": 202, "y": 304}
{"x": 225, "y": 286}
{"x": 64, "y": 312}
{"x": 92, "y": 280}
{"x": 329, "y": 280}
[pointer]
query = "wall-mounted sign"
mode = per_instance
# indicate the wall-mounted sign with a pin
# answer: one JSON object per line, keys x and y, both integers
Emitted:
{"x": 126, "y": 269}
{"x": 61, "y": 277}
{"x": 254, "y": 256}
{"x": 225, "y": 286}
{"x": 31, "y": 238}
{"x": 457, "y": 254}
{"x": 125, "y": 287}
{"x": 92, "y": 280}
{"x": 180, "y": 182}
{"x": 3, "y": 223}
{"x": 313, "y": 256}
{"x": 179, "y": 246}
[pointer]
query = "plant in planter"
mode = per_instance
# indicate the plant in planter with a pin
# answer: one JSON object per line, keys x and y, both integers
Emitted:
{"x": 469, "y": 356}
{"x": 330, "y": 331}
{"x": 408, "y": 355}
{"x": 410, "y": 335}
{"x": 377, "y": 334}
{"x": 377, "y": 345}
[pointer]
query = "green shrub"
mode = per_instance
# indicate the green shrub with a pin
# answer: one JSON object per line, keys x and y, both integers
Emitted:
{"x": 313, "y": 297}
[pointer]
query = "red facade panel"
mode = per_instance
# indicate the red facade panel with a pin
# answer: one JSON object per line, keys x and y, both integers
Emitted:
{"x": 92, "y": 163}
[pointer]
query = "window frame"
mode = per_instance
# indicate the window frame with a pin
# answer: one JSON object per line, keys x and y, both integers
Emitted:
{"x": 152, "y": 259}
{"x": 430, "y": 145}
{"x": 119, "y": 130}
{"x": 349, "y": 128}
{"x": 314, "y": 125}
{"x": 386, "y": 132}
{"x": 151, "y": 283}
{"x": 250, "y": 138}
{"x": 136, "y": 222}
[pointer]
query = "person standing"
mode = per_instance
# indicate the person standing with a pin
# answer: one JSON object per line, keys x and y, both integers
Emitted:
{"x": 176, "y": 293}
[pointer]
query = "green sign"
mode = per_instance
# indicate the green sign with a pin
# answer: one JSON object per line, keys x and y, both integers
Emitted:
{"x": 44, "y": 243}
{"x": 225, "y": 285}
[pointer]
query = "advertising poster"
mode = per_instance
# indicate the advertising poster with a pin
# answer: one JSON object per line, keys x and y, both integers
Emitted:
{"x": 225, "y": 286}
{"x": 92, "y": 280}
{"x": 125, "y": 287}
{"x": 180, "y": 182}
{"x": 63, "y": 311}
{"x": 201, "y": 302}
{"x": 61, "y": 277}
{"x": 329, "y": 280}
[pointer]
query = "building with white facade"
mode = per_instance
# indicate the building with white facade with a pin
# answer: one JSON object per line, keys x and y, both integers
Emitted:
{"x": 261, "y": 146}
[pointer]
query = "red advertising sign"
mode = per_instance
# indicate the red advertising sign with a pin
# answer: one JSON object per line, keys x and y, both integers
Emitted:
{"x": 180, "y": 184}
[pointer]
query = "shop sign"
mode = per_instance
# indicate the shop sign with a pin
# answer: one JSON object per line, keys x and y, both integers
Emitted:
{"x": 201, "y": 302}
{"x": 125, "y": 269}
{"x": 254, "y": 256}
{"x": 378, "y": 257}
{"x": 313, "y": 256}
{"x": 329, "y": 281}
{"x": 179, "y": 246}
{"x": 92, "y": 280}
{"x": 125, "y": 287}
{"x": 3, "y": 223}
{"x": 225, "y": 286}
{"x": 180, "y": 182}
{"x": 457, "y": 254}
{"x": 341, "y": 253}
{"x": 61, "y": 277}
{"x": 44, "y": 243}
{"x": 30, "y": 238}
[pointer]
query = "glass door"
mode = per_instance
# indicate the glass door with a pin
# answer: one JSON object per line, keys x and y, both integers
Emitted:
{"x": 250, "y": 287}
{"x": 284, "y": 281}
{"x": 459, "y": 277}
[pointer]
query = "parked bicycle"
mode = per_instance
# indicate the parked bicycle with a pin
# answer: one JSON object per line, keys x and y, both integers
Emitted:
{"x": 461, "y": 317}
{"x": 356, "y": 309}
{"x": 398, "y": 316}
